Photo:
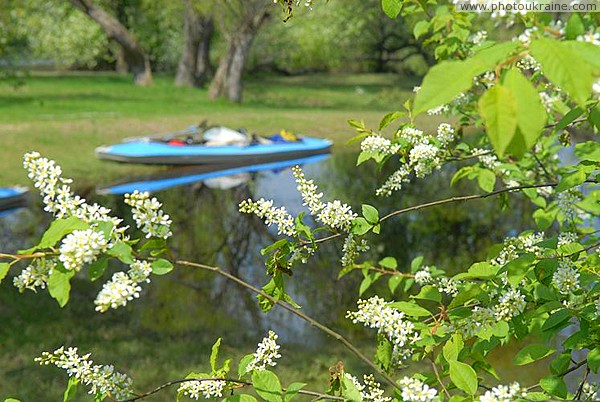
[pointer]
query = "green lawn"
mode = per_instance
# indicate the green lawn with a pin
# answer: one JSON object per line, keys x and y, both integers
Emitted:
{"x": 66, "y": 116}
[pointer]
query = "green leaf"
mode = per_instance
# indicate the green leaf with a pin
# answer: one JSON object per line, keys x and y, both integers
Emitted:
{"x": 394, "y": 282}
{"x": 267, "y": 386}
{"x": 278, "y": 244}
{"x": 588, "y": 151}
{"x": 569, "y": 118}
{"x": 531, "y": 114}
{"x": 383, "y": 353}
{"x": 554, "y": 386}
{"x": 517, "y": 268}
{"x": 240, "y": 398}
{"x": 564, "y": 67}
{"x": 421, "y": 28}
{"x": 575, "y": 27}
{"x": 12, "y": 400}
{"x": 370, "y": 213}
{"x": 532, "y": 353}
{"x": 349, "y": 390}
{"x": 452, "y": 347}
{"x": 557, "y": 318}
{"x": 71, "y": 389}
{"x": 58, "y": 229}
{"x": 360, "y": 226}
{"x": 97, "y": 268}
{"x": 486, "y": 180}
{"x": 571, "y": 180}
{"x": 4, "y": 267}
{"x": 544, "y": 219}
{"x": 389, "y": 118}
{"x": 561, "y": 364}
{"x": 429, "y": 293}
{"x": 593, "y": 359}
{"x": 161, "y": 267}
{"x": 244, "y": 361}
{"x": 411, "y": 309}
{"x": 587, "y": 51}
{"x": 389, "y": 263}
{"x": 59, "y": 285}
{"x": 463, "y": 376}
{"x": 122, "y": 251}
{"x": 498, "y": 109}
{"x": 391, "y": 8}
{"x": 292, "y": 390}
{"x": 214, "y": 354}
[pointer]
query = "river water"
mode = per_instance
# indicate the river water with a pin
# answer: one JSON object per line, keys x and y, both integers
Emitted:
{"x": 180, "y": 314}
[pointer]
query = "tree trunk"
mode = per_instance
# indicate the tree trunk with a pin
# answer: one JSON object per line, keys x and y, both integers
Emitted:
{"x": 228, "y": 78}
{"x": 121, "y": 66}
{"x": 134, "y": 55}
{"x": 204, "y": 68}
{"x": 192, "y": 36}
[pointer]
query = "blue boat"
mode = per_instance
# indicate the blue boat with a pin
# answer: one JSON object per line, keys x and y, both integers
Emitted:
{"x": 12, "y": 197}
{"x": 171, "y": 151}
{"x": 185, "y": 176}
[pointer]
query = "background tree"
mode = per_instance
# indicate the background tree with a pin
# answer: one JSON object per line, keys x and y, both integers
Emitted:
{"x": 194, "y": 64}
{"x": 133, "y": 53}
{"x": 240, "y": 21}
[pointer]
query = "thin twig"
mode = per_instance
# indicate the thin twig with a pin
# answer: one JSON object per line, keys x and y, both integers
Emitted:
{"x": 437, "y": 375}
{"x": 230, "y": 380}
{"x": 297, "y": 313}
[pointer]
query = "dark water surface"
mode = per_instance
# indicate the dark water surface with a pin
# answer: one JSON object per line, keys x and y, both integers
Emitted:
{"x": 169, "y": 330}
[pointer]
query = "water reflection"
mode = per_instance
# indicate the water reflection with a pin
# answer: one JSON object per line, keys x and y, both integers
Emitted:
{"x": 195, "y": 306}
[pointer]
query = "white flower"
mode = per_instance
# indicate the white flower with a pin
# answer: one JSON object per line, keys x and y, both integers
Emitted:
{"x": 394, "y": 182}
{"x": 480, "y": 318}
{"x": 264, "y": 209}
{"x": 529, "y": 63}
{"x": 590, "y": 37}
{"x": 503, "y": 393}
{"x": 375, "y": 313}
{"x": 566, "y": 277}
{"x": 378, "y": 144}
{"x": 81, "y": 247}
{"x": 101, "y": 379}
{"x": 309, "y": 192}
{"x": 148, "y": 216}
{"x": 371, "y": 390}
{"x": 337, "y": 215}
{"x": 140, "y": 271}
{"x": 566, "y": 238}
{"x": 590, "y": 391}
{"x": 424, "y": 158}
{"x": 207, "y": 388}
{"x": 416, "y": 89}
{"x": 478, "y": 38}
{"x": 414, "y": 390}
{"x": 117, "y": 292}
{"x": 423, "y": 276}
{"x": 439, "y": 110}
{"x": 35, "y": 275}
{"x": 351, "y": 249}
{"x": 445, "y": 133}
{"x": 510, "y": 304}
{"x": 266, "y": 353}
{"x": 413, "y": 135}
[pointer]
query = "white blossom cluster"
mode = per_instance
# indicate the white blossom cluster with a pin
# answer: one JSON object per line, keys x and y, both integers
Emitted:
{"x": 371, "y": 390}
{"x": 148, "y": 216}
{"x": 57, "y": 196}
{"x": 309, "y": 192}
{"x": 102, "y": 380}
{"x": 510, "y": 304}
{"x": 590, "y": 37}
{"x": 394, "y": 182}
{"x": 266, "y": 353}
{"x": 549, "y": 99}
{"x": 378, "y": 144}
{"x": 514, "y": 245}
{"x": 566, "y": 277}
{"x": 35, "y": 275}
{"x": 529, "y": 63}
{"x": 566, "y": 202}
{"x": 423, "y": 276}
{"x": 478, "y": 38}
{"x": 375, "y": 313}
{"x": 334, "y": 214}
{"x": 504, "y": 393}
{"x": 123, "y": 287}
{"x": 566, "y": 238}
{"x": 351, "y": 249}
{"x": 438, "y": 110}
{"x": 443, "y": 284}
{"x": 82, "y": 247}
{"x": 413, "y": 390}
{"x": 207, "y": 388}
{"x": 590, "y": 391}
{"x": 264, "y": 209}
{"x": 337, "y": 215}
{"x": 487, "y": 159}
{"x": 445, "y": 133}
{"x": 480, "y": 318}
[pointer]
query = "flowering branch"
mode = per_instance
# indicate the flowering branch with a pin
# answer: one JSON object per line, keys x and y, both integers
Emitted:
{"x": 242, "y": 383}
{"x": 297, "y": 313}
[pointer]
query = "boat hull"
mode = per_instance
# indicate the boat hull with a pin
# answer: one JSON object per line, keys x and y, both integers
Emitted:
{"x": 164, "y": 154}
{"x": 13, "y": 197}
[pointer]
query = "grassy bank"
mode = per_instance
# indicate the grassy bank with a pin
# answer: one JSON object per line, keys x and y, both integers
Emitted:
{"x": 67, "y": 116}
